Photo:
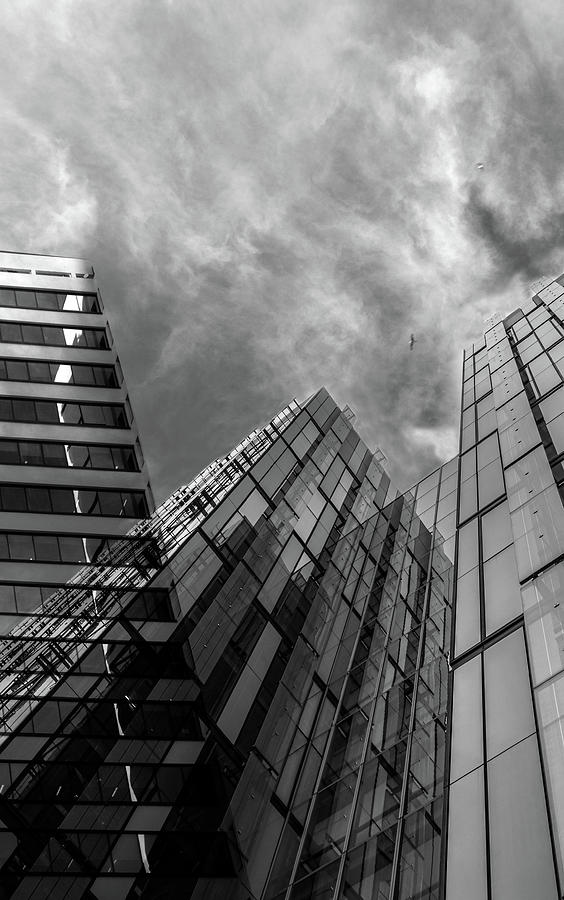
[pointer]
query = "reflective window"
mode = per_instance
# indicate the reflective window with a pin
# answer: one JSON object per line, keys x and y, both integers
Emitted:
{"x": 54, "y": 300}
{"x": 553, "y": 405}
{"x": 107, "y": 415}
{"x": 520, "y": 851}
{"x": 58, "y": 373}
{"x": 466, "y": 860}
{"x": 50, "y": 453}
{"x": 538, "y": 526}
{"x": 466, "y": 747}
{"x": 543, "y": 601}
{"x": 496, "y": 530}
{"x": 502, "y": 597}
{"x": 490, "y": 483}
{"x": 53, "y": 335}
{"x": 22, "y": 498}
{"x": 467, "y": 611}
{"x": 468, "y": 503}
{"x": 550, "y": 700}
{"x": 467, "y": 547}
{"x": 527, "y": 477}
{"x": 509, "y": 708}
{"x": 556, "y": 431}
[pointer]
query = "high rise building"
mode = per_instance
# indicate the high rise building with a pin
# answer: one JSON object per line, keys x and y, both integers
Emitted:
{"x": 293, "y": 681}
{"x": 72, "y": 475}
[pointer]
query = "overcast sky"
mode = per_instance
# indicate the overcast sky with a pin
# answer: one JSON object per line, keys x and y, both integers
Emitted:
{"x": 275, "y": 194}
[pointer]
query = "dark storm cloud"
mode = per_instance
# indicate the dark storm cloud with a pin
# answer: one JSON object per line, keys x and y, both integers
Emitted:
{"x": 275, "y": 195}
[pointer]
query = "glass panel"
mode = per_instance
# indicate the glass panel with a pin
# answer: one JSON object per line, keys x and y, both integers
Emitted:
{"x": 466, "y": 748}
{"x": 539, "y": 532}
{"x": 467, "y": 547}
{"x": 467, "y": 465}
{"x": 520, "y": 437}
{"x": 368, "y": 869}
{"x": 419, "y": 864}
{"x": 513, "y": 411}
{"x": 466, "y": 858}
{"x": 550, "y": 705}
{"x": 468, "y": 499}
{"x": 556, "y": 429}
{"x": 490, "y": 483}
{"x": 520, "y": 852}
{"x": 467, "y": 611}
{"x": 502, "y": 596}
{"x": 543, "y": 602}
{"x": 553, "y": 405}
{"x": 496, "y": 530}
{"x": 509, "y": 709}
{"x": 488, "y": 451}
{"x": 528, "y": 477}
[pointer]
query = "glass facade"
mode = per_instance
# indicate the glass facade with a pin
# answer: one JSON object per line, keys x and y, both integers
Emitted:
{"x": 291, "y": 681}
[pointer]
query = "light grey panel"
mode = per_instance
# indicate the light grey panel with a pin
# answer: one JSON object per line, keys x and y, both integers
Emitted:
{"x": 466, "y": 859}
{"x": 467, "y": 748}
{"x": 509, "y": 707}
{"x": 520, "y": 851}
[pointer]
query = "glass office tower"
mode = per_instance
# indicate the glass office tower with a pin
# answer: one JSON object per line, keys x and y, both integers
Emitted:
{"x": 294, "y": 682}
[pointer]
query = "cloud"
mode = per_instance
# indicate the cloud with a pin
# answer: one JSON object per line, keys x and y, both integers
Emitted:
{"x": 276, "y": 195}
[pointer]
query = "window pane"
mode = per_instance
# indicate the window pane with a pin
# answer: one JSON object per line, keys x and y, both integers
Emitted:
{"x": 521, "y": 857}
{"x": 501, "y": 590}
{"x": 539, "y": 532}
{"x": 468, "y": 499}
{"x": 496, "y": 530}
{"x": 509, "y": 709}
{"x": 490, "y": 483}
{"x": 13, "y": 498}
{"x": 543, "y": 601}
{"x": 31, "y": 453}
{"x": 467, "y": 611}
{"x": 467, "y": 547}
{"x": 21, "y": 546}
{"x": 33, "y": 334}
{"x": 527, "y": 477}
{"x": 466, "y": 749}
{"x": 9, "y": 453}
{"x": 54, "y": 454}
{"x": 550, "y": 701}
{"x": 556, "y": 429}
{"x": 466, "y": 861}
{"x": 16, "y": 370}
{"x": 39, "y": 371}
{"x": 46, "y": 411}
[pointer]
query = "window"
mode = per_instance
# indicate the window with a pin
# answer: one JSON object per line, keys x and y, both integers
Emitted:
{"x": 108, "y": 415}
{"x": 53, "y": 300}
{"x": 58, "y": 373}
{"x": 34, "y": 499}
{"x": 53, "y": 335}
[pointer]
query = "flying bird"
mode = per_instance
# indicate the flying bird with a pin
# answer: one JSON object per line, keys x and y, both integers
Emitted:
{"x": 412, "y": 341}
{"x": 480, "y": 166}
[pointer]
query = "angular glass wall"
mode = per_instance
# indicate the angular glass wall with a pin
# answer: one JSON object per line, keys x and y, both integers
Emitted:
{"x": 252, "y": 700}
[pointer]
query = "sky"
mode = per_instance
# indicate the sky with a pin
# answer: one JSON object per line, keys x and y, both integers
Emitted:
{"x": 276, "y": 194}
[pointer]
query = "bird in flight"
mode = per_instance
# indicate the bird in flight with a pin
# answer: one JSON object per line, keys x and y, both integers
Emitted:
{"x": 412, "y": 341}
{"x": 479, "y": 165}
